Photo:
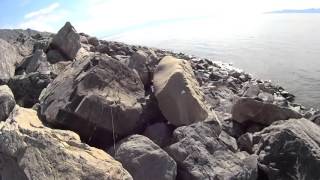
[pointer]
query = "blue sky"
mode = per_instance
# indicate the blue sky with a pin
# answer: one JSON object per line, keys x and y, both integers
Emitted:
{"x": 108, "y": 17}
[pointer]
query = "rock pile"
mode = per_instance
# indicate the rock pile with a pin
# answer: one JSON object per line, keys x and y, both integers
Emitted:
{"x": 160, "y": 114}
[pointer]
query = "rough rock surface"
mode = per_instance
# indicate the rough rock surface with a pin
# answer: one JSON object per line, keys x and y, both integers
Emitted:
{"x": 29, "y": 150}
{"x": 201, "y": 154}
{"x": 159, "y": 133}
{"x": 289, "y": 150}
{"x": 26, "y": 41}
{"x": 67, "y": 41}
{"x": 177, "y": 91}
{"x": 139, "y": 62}
{"x": 9, "y": 57}
{"x": 55, "y": 56}
{"x": 247, "y": 109}
{"x": 36, "y": 63}
{"x": 95, "y": 96}
{"x": 7, "y": 102}
{"x": 27, "y": 88}
{"x": 144, "y": 160}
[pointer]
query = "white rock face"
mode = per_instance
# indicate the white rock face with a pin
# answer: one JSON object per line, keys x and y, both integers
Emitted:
{"x": 178, "y": 92}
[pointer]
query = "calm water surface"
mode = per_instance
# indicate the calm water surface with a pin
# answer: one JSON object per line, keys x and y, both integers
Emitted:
{"x": 284, "y": 48}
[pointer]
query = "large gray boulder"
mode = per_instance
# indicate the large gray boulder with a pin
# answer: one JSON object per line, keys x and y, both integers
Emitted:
{"x": 35, "y": 63}
{"x": 95, "y": 96}
{"x": 9, "y": 57}
{"x": 29, "y": 150}
{"x": 27, "y": 88}
{"x": 67, "y": 41}
{"x": 177, "y": 91}
{"x": 201, "y": 152}
{"x": 289, "y": 150}
{"x": 139, "y": 62}
{"x": 144, "y": 159}
{"x": 7, "y": 102}
{"x": 247, "y": 109}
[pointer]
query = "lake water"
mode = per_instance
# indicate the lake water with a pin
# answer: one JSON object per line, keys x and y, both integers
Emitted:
{"x": 284, "y": 48}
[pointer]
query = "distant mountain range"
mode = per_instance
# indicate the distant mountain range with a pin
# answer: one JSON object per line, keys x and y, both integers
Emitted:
{"x": 312, "y": 10}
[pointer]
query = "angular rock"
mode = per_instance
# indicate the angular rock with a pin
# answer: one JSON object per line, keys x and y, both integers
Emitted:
{"x": 201, "y": 154}
{"x": 7, "y": 102}
{"x": 289, "y": 150}
{"x": 95, "y": 96}
{"x": 9, "y": 57}
{"x": 233, "y": 128}
{"x": 266, "y": 97}
{"x": 252, "y": 91}
{"x": 159, "y": 133}
{"x": 29, "y": 150}
{"x": 59, "y": 67}
{"x": 247, "y": 109}
{"x": 26, "y": 41}
{"x": 177, "y": 91}
{"x": 83, "y": 39}
{"x": 36, "y": 63}
{"x": 27, "y": 88}
{"x": 55, "y": 56}
{"x": 139, "y": 62}
{"x": 67, "y": 41}
{"x": 93, "y": 41}
{"x": 245, "y": 142}
{"x": 144, "y": 160}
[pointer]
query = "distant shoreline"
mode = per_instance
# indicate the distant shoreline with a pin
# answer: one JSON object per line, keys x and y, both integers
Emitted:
{"x": 296, "y": 11}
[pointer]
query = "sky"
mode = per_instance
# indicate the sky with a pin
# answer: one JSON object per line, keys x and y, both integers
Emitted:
{"x": 110, "y": 17}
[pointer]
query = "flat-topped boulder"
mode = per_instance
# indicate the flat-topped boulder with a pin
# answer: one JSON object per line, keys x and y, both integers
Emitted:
{"x": 95, "y": 96}
{"x": 178, "y": 93}
{"x": 67, "y": 41}
{"x": 29, "y": 150}
{"x": 248, "y": 109}
{"x": 289, "y": 150}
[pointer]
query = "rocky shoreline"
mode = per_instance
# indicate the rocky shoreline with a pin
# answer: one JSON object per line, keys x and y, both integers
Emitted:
{"x": 75, "y": 107}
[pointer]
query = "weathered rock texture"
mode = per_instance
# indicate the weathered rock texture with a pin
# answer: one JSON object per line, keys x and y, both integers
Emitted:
{"x": 27, "y": 88}
{"x": 139, "y": 62}
{"x": 178, "y": 93}
{"x": 9, "y": 57}
{"x": 35, "y": 63}
{"x": 95, "y": 96}
{"x": 29, "y": 150}
{"x": 67, "y": 41}
{"x": 289, "y": 150}
{"x": 7, "y": 102}
{"x": 159, "y": 133}
{"x": 201, "y": 154}
{"x": 144, "y": 159}
{"x": 26, "y": 41}
{"x": 247, "y": 109}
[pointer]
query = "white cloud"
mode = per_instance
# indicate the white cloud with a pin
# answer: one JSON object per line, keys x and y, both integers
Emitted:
{"x": 103, "y": 17}
{"x": 45, "y": 19}
{"x": 112, "y": 15}
{"x": 43, "y": 12}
